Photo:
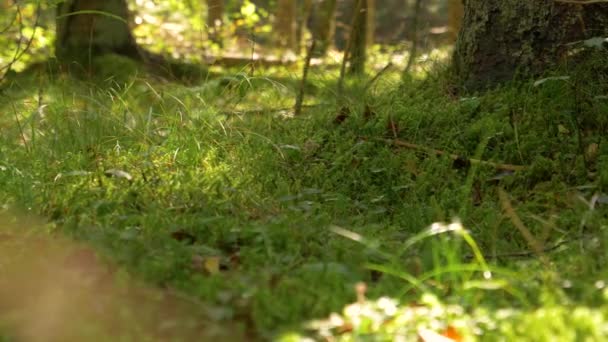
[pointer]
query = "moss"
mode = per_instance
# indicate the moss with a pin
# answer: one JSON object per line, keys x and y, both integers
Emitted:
{"x": 116, "y": 69}
{"x": 501, "y": 40}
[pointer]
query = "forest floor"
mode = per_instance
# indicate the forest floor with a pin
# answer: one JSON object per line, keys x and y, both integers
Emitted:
{"x": 477, "y": 217}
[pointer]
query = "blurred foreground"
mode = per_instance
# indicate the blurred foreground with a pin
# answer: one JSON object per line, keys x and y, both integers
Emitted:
{"x": 52, "y": 289}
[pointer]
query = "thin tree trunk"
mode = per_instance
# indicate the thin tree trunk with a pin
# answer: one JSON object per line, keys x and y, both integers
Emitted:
{"x": 358, "y": 48}
{"x": 414, "y": 49}
{"x": 304, "y": 12}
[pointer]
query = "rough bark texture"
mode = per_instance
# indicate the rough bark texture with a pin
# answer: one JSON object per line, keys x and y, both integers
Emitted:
{"x": 81, "y": 36}
{"x": 285, "y": 24}
{"x": 215, "y": 20}
{"x": 500, "y": 39}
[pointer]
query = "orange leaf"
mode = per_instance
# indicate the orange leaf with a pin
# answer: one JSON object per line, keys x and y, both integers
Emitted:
{"x": 452, "y": 333}
{"x": 427, "y": 335}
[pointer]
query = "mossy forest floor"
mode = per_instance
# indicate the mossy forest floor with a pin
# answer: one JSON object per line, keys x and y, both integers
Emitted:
{"x": 263, "y": 224}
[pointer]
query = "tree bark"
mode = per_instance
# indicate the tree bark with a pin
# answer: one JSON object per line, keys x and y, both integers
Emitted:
{"x": 501, "y": 39}
{"x": 91, "y": 33}
{"x": 358, "y": 45}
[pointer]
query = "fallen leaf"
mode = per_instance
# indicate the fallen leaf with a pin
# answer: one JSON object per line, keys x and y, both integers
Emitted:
{"x": 451, "y": 332}
{"x": 118, "y": 174}
{"x": 212, "y": 265}
{"x": 592, "y": 151}
{"x": 427, "y": 335}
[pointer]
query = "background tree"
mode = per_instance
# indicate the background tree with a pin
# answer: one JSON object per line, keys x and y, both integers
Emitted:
{"x": 324, "y": 26}
{"x": 499, "y": 39}
{"x": 303, "y": 14}
{"x": 358, "y": 41}
{"x": 285, "y": 24}
{"x": 100, "y": 27}
{"x": 215, "y": 20}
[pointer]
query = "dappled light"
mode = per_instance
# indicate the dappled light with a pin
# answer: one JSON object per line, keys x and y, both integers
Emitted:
{"x": 311, "y": 170}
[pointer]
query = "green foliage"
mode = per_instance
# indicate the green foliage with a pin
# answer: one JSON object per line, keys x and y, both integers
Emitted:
{"x": 21, "y": 40}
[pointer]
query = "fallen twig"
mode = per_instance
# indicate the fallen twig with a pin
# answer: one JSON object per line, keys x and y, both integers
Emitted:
{"x": 535, "y": 245}
{"x": 269, "y": 110}
{"x": 429, "y": 150}
{"x": 522, "y": 254}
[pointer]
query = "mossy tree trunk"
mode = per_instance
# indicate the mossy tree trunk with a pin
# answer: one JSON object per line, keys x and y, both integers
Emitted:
{"x": 501, "y": 39}
{"x": 285, "y": 24}
{"x": 81, "y": 36}
{"x": 215, "y": 20}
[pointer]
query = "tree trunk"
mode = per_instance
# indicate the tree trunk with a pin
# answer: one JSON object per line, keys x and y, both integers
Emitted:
{"x": 358, "y": 44}
{"x": 285, "y": 24}
{"x": 500, "y": 39}
{"x": 215, "y": 20}
{"x": 324, "y": 26}
{"x": 304, "y": 12}
{"x": 83, "y": 36}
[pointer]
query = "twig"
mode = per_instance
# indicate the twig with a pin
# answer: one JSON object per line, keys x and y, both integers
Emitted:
{"x": 523, "y": 254}
{"x": 20, "y": 52}
{"x": 270, "y": 110}
{"x": 23, "y": 137}
{"x": 536, "y": 246}
{"x": 300, "y": 97}
{"x": 371, "y": 82}
{"x": 252, "y": 63}
{"x": 453, "y": 156}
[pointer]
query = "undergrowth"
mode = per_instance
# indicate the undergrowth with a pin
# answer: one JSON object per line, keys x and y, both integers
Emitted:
{"x": 273, "y": 219}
